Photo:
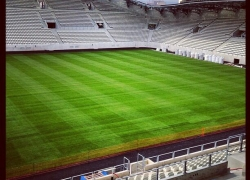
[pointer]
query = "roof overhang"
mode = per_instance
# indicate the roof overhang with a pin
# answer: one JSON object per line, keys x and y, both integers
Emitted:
{"x": 212, "y": 4}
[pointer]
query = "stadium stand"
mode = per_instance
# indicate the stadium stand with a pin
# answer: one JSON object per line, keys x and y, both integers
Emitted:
{"x": 81, "y": 37}
{"x": 47, "y": 15}
{"x": 124, "y": 20}
{"x": 208, "y": 160}
{"x": 212, "y": 35}
{"x": 105, "y": 6}
{"x": 173, "y": 32}
{"x": 21, "y": 3}
{"x": 129, "y": 35}
{"x": 235, "y": 46}
{"x": 73, "y": 19}
{"x": 25, "y": 27}
{"x": 18, "y": 18}
{"x": 70, "y": 4}
{"x": 124, "y": 25}
{"x": 243, "y": 27}
{"x": 96, "y": 17}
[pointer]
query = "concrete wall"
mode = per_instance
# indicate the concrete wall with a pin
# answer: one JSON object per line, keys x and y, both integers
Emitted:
{"x": 194, "y": 16}
{"x": 209, "y": 15}
{"x": 227, "y": 14}
{"x": 75, "y": 46}
{"x": 138, "y": 9}
{"x": 114, "y": 45}
{"x": 237, "y": 160}
{"x": 168, "y": 16}
{"x": 153, "y": 13}
{"x": 181, "y": 16}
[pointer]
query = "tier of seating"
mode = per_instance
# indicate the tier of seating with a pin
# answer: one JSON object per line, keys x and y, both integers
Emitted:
{"x": 73, "y": 19}
{"x": 243, "y": 27}
{"x": 46, "y": 15}
{"x": 30, "y": 36}
{"x": 83, "y": 36}
{"x": 120, "y": 25}
{"x": 105, "y": 6}
{"x": 95, "y": 17}
{"x": 66, "y": 4}
{"x": 19, "y": 18}
{"x": 213, "y": 35}
{"x": 205, "y": 23}
{"x": 234, "y": 47}
{"x": 129, "y": 35}
{"x": 165, "y": 172}
{"x": 173, "y": 32}
{"x": 25, "y": 27}
{"x": 21, "y": 3}
{"x": 235, "y": 149}
{"x": 124, "y": 20}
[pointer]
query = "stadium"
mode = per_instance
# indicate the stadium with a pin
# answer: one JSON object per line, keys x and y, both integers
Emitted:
{"x": 125, "y": 89}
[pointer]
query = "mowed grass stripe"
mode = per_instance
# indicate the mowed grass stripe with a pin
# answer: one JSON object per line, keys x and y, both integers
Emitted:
{"x": 111, "y": 104}
{"x": 156, "y": 88}
{"x": 127, "y": 88}
{"x": 145, "y": 123}
{"x": 83, "y": 124}
{"x": 43, "y": 94}
{"x": 49, "y": 82}
{"x": 143, "y": 96}
{"x": 185, "y": 71}
{"x": 151, "y": 127}
{"x": 15, "y": 125}
{"x": 134, "y": 121}
{"x": 121, "y": 94}
{"x": 159, "y": 59}
{"x": 124, "y": 70}
{"x": 189, "y": 98}
{"x": 117, "y": 125}
{"x": 167, "y": 81}
{"x": 51, "y": 133}
{"x": 199, "y": 116}
{"x": 23, "y": 151}
{"x": 167, "y": 107}
{"x": 216, "y": 85}
{"x": 170, "y": 61}
{"x": 189, "y": 78}
{"x": 178, "y": 84}
{"x": 75, "y": 138}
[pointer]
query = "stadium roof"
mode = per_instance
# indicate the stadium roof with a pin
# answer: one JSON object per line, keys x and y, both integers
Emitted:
{"x": 195, "y": 4}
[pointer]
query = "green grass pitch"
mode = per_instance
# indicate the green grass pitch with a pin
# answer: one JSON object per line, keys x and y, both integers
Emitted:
{"x": 61, "y": 104}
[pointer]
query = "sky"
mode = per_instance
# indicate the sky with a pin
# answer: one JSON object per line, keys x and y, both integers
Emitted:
{"x": 166, "y": 1}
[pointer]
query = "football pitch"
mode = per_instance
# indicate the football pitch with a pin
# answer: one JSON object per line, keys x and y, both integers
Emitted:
{"x": 68, "y": 107}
